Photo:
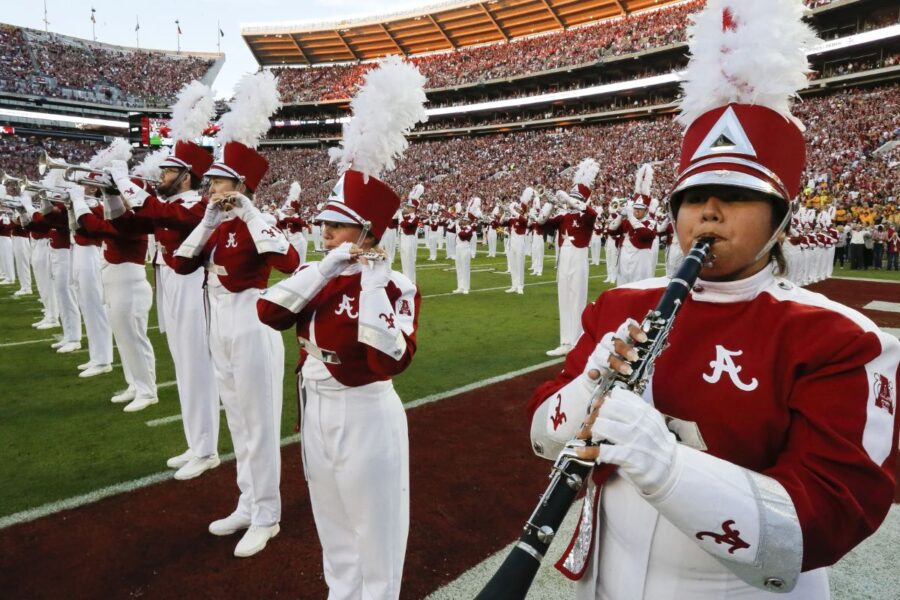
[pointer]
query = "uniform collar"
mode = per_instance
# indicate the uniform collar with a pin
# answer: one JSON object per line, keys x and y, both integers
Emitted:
{"x": 188, "y": 195}
{"x": 743, "y": 290}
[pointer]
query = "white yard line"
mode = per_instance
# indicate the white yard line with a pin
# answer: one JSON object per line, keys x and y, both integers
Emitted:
{"x": 882, "y": 305}
{"x": 42, "y": 340}
{"x": 873, "y": 280}
{"x": 32, "y": 514}
{"x": 503, "y": 287}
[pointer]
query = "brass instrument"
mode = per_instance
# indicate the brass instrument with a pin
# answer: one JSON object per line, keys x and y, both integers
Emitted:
{"x": 46, "y": 163}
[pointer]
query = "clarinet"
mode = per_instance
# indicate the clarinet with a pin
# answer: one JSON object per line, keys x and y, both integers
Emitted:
{"x": 569, "y": 473}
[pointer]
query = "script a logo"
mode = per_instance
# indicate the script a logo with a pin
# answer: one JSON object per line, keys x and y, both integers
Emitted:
{"x": 724, "y": 363}
{"x": 346, "y": 306}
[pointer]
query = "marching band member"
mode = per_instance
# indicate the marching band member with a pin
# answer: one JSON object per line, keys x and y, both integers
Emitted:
{"x": 409, "y": 239}
{"x": 491, "y": 235}
{"x": 432, "y": 223}
{"x": 613, "y": 242}
{"x": 239, "y": 248}
{"x": 171, "y": 217}
{"x": 636, "y": 260}
{"x": 537, "y": 237}
{"x": 21, "y": 242}
{"x": 596, "y": 243}
{"x": 575, "y": 227}
{"x": 389, "y": 239}
{"x": 788, "y": 438}
{"x": 7, "y": 256}
{"x": 40, "y": 264}
{"x": 52, "y": 219}
{"x": 517, "y": 226}
{"x": 292, "y": 224}
{"x": 356, "y": 322}
{"x": 463, "y": 231}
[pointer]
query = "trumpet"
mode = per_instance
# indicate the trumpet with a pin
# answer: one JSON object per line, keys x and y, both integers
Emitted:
{"x": 12, "y": 203}
{"x": 615, "y": 205}
{"x": 46, "y": 163}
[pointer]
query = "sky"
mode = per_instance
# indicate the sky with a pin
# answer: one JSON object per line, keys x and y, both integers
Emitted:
{"x": 116, "y": 22}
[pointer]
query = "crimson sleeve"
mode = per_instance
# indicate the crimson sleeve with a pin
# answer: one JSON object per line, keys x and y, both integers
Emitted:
{"x": 173, "y": 215}
{"x": 133, "y": 223}
{"x": 286, "y": 263}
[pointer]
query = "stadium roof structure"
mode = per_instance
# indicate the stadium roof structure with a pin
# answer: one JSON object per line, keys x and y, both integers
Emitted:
{"x": 445, "y": 26}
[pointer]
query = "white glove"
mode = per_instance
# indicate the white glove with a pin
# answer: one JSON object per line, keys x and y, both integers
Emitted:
{"x": 212, "y": 216}
{"x": 27, "y": 203}
{"x": 118, "y": 170}
{"x": 243, "y": 209}
{"x": 644, "y": 448}
{"x": 375, "y": 275}
{"x": 78, "y": 205}
{"x": 335, "y": 261}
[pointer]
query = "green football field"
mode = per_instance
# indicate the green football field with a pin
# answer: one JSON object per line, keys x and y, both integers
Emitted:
{"x": 61, "y": 437}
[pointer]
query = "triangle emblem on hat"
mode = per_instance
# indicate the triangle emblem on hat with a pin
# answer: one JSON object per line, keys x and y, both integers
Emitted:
{"x": 726, "y": 136}
{"x": 337, "y": 194}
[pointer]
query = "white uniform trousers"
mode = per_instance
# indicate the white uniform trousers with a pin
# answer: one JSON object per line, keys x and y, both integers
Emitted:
{"x": 474, "y": 243}
{"x": 596, "y": 246}
{"x": 639, "y": 555}
{"x": 317, "y": 237}
{"x": 249, "y": 361}
{"x": 89, "y": 293}
{"x": 829, "y": 262}
{"x": 537, "y": 254}
{"x": 528, "y": 238}
{"x": 634, "y": 264}
{"x": 571, "y": 291}
{"x": 40, "y": 264}
{"x": 516, "y": 256}
{"x": 408, "y": 245}
{"x": 612, "y": 260}
{"x": 451, "y": 246}
{"x": 356, "y": 459}
{"x": 440, "y": 237}
{"x": 463, "y": 265}
{"x": 61, "y": 271}
{"x": 492, "y": 242}
{"x": 22, "y": 251}
{"x": 431, "y": 242}
{"x": 389, "y": 243}
{"x": 298, "y": 241}
{"x": 7, "y": 258}
{"x": 792, "y": 258}
{"x": 182, "y": 301}
{"x": 128, "y": 298}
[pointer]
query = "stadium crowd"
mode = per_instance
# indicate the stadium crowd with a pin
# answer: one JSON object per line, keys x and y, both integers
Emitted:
{"x": 48, "y": 64}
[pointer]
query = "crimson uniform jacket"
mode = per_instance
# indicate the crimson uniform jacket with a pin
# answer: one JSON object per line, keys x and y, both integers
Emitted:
{"x": 640, "y": 237}
{"x": 6, "y": 229}
{"x": 56, "y": 224}
{"x": 465, "y": 233}
{"x": 781, "y": 381}
{"x": 118, "y": 247}
{"x": 232, "y": 255}
{"x": 409, "y": 226}
{"x": 579, "y": 226}
{"x": 292, "y": 224}
{"x": 335, "y": 313}
{"x": 169, "y": 221}
{"x": 519, "y": 225}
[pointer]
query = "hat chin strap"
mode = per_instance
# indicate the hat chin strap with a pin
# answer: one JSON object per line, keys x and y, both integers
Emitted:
{"x": 778, "y": 230}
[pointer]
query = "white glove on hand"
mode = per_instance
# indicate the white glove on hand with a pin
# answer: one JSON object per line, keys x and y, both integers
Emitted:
{"x": 212, "y": 216}
{"x": 118, "y": 170}
{"x": 335, "y": 261}
{"x": 599, "y": 358}
{"x": 78, "y": 204}
{"x": 644, "y": 448}
{"x": 375, "y": 275}
{"x": 243, "y": 209}
{"x": 27, "y": 203}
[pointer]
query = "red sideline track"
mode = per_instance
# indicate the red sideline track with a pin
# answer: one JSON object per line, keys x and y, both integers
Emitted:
{"x": 474, "y": 482}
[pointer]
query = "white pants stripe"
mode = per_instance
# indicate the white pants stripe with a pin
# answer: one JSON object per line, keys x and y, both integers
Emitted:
{"x": 408, "y": 255}
{"x": 7, "y": 258}
{"x": 89, "y": 293}
{"x": 537, "y": 254}
{"x": 517, "y": 260}
{"x": 187, "y": 336}
{"x": 356, "y": 451}
{"x": 463, "y": 265}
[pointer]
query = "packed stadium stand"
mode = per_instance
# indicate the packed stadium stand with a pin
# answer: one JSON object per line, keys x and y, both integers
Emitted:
{"x": 42, "y": 64}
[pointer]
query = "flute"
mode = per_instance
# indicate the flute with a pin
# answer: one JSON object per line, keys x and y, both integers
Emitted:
{"x": 570, "y": 471}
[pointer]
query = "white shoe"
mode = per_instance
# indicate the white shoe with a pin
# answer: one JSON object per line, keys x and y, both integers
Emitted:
{"x": 140, "y": 404}
{"x": 51, "y": 324}
{"x": 255, "y": 540}
{"x": 96, "y": 370}
{"x": 124, "y": 396}
{"x": 57, "y": 344}
{"x": 68, "y": 347}
{"x": 520, "y": 291}
{"x": 176, "y": 462}
{"x": 511, "y": 291}
{"x": 196, "y": 467}
{"x": 230, "y": 524}
{"x": 86, "y": 365}
{"x": 465, "y": 291}
{"x": 7, "y": 282}
{"x": 560, "y": 350}
{"x": 21, "y": 293}
{"x": 457, "y": 291}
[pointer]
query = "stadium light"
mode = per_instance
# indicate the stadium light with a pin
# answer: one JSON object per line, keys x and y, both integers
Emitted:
{"x": 50, "y": 117}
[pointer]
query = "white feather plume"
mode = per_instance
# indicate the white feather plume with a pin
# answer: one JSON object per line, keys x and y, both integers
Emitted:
{"x": 643, "y": 180}
{"x": 294, "y": 192}
{"x": 149, "y": 167}
{"x": 119, "y": 149}
{"x": 192, "y": 111}
{"x": 586, "y": 172}
{"x": 386, "y": 107}
{"x": 474, "y": 207}
{"x": 53, "y": 178}
{"x": 255, "y": 99}
{"x": 758, "y": 58}
{"x": 416, "y": 192}
{"x": 527, "y": 194}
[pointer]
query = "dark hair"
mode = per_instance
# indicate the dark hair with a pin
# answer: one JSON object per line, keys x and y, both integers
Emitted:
{"x": 196, "y": 182}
